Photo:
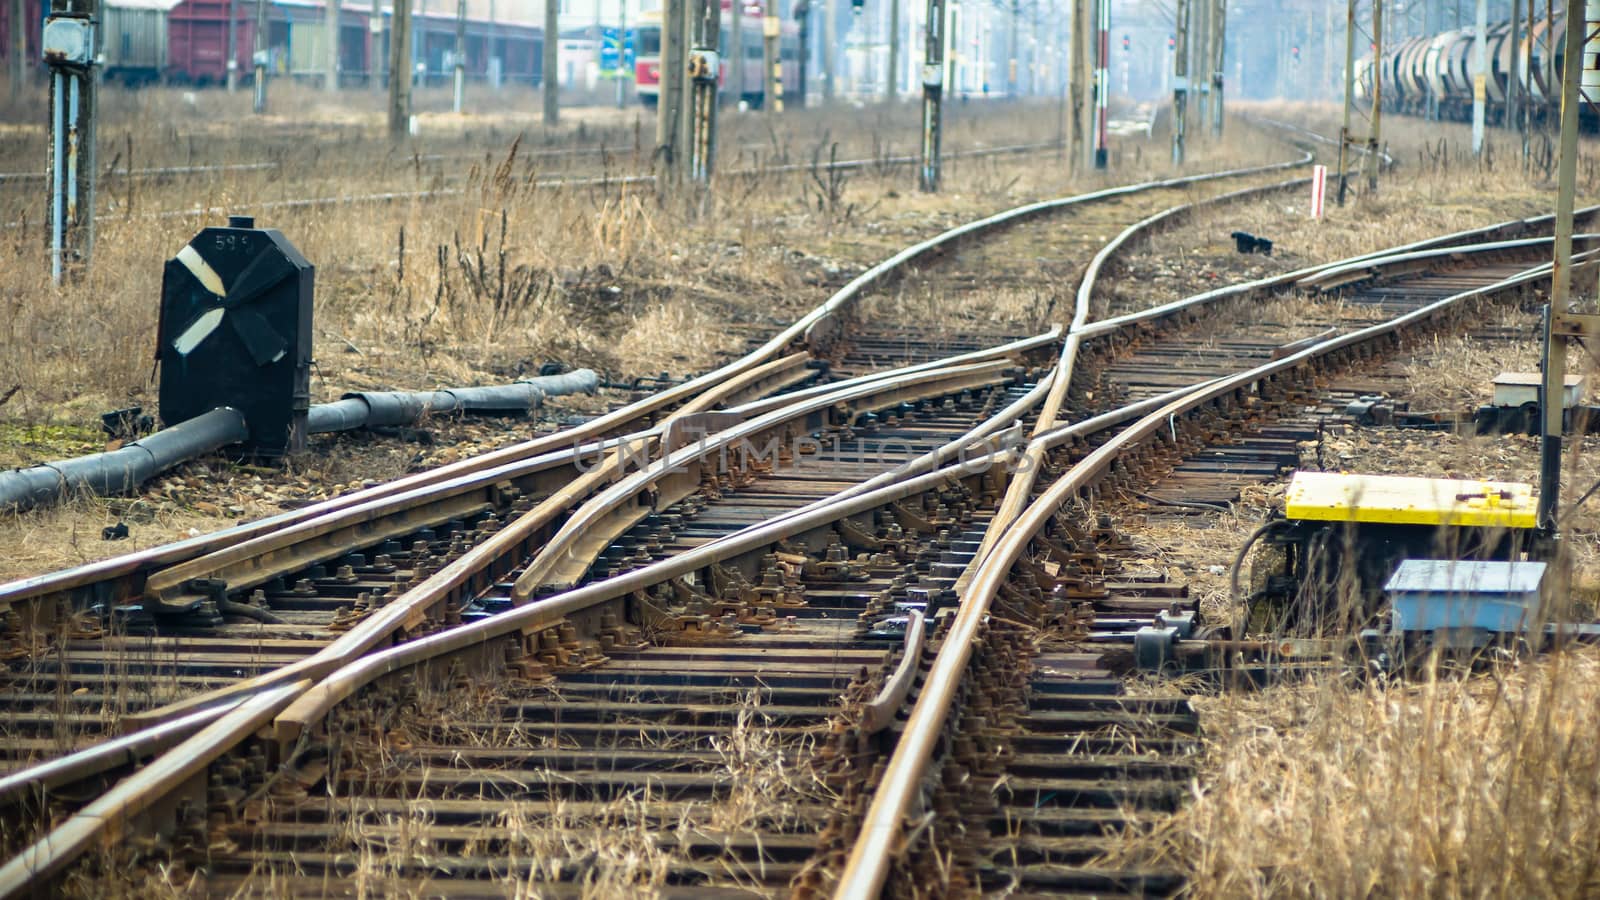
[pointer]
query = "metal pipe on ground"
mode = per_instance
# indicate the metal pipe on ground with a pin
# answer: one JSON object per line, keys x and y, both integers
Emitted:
{"x": 368, "y": 409}
{"x": 120, "y": 471}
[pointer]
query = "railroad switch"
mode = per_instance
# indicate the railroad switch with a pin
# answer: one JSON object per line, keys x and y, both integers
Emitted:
{"x": 1325, "y": 562}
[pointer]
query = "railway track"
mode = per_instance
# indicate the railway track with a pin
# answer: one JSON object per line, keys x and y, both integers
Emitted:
{"x": 1042, "y": 776}
{"x": 308, "y": 565}
{"x": 584, "y": 728}
{"x": 323, "y": 570}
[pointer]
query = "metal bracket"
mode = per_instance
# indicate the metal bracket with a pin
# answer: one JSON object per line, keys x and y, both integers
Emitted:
{"x": 1580, "y": 325}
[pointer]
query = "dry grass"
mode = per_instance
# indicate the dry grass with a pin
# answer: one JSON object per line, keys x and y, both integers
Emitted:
{"x": 628, "y": 845}
{"x": 1476, "y": 787}
{"x": 479, "y": 286}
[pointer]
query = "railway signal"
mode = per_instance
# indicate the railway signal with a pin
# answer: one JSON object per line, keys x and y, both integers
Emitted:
{"x": 235, "y": 331}
{"x": 71, "y": 50}
{"x": 1126, "y": 44}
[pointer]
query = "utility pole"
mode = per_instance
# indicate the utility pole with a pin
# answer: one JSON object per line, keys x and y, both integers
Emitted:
{"x": 400, "y": 71}
{"x": 624, "y": 72}
{"x": 702, "y": 71}
{"x": 1374, "y": 137}
{"x": 18, "y": 49}
{"x": 1081, "y": 87}
{"x": 1551, "y": 97}
{"x": 1345, "y": 137}
{"x": 771, "y": 62}
{"x": 802, "y": 18}
{"x": 1219, "y": 61}
{"x": 1514, "y": 82}
{"x": 1528, "y": 103}
{"x": 669, "y": 89}
{"x": 1327, "y": 48}
{"x": 1180, "y": 81}
{"x": 829, "y": 36}
{"x": 374, "y": 45}
{"x": 550, "y": 72}
{"x": 1480, "y": 76}
{"x": 330, "y": 14}
{"x": 736, "y": 50}
{"x": 259, "y": 58}
{"x": 71, "y": 44}
{"x": 952, "y": 46}
{"x": 932, "y": 94}
{"x": 1035, "y": 42}
{"x": 1560, "y": 324}
{"x": 459, "y": 98}
{"x": 233, "y": 46}
{"x": 1199, "y": 59}
{"x": 892, "y": 88}
{"x": 1011, "y": 50}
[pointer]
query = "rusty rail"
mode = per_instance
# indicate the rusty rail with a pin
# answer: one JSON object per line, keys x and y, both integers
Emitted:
{"x": 466, "y": 573}
{"x": 137, "y": 563}
{"x": 881, "y": 831}
{"x": 879, "y": 712}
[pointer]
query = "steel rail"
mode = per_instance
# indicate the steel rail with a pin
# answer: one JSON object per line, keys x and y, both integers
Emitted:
{"x": 112, "y": 815}
{"x": 554, "y": 183}
{"x": 549, "y": 611}
{"x": 176, "y": 721}
{"x": 557, "y": 561}
{"x": 572, "y": 549}
{"x": 879, "y": 712}
{"x": 1021, "y": 487}
{"x": 464, "y": 569}
{"x": 870, "y": 857}
{"x": 408, "y": 610}
{"x": 180, "y": 551}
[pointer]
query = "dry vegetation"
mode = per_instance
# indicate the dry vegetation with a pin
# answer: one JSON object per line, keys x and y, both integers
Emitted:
{"x": 1460, "y": 785}
{"x": 482, "y": 283}
{"x": 1472, "y": 787}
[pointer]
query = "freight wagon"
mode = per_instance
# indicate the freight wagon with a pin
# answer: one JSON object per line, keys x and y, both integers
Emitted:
{"x": 1433, "y": 75}
{"x": 186, "y": 41}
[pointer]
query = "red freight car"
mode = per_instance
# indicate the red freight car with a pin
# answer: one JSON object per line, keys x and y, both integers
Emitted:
{"x": 186, "y": 41}
{"x": 33, "y": 12}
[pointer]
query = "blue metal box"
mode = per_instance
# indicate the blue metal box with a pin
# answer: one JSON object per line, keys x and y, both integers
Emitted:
{"x": 1447, "y": 594}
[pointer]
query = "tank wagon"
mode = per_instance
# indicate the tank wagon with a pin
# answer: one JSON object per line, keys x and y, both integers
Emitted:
{"x": 1431, "y": 76}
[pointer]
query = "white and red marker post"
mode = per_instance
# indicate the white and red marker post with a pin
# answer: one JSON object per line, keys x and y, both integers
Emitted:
{"x": 1319, "y": 189}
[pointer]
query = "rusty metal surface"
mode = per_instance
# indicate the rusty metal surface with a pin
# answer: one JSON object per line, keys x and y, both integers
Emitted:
{"x": 460, "y": 576}
{"x": 895, "y": 799}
